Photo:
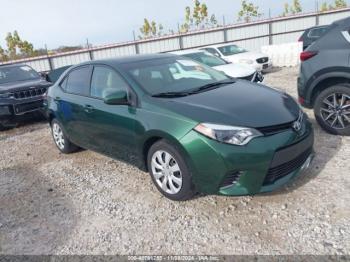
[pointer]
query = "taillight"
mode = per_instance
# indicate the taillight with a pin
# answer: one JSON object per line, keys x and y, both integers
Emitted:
{"x": 306, "y": 55}
{"x": 301, "y": 100}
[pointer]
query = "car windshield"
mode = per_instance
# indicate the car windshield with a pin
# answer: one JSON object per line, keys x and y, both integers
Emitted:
{"x": 207, "y": 59}
{"x": 172, "y": 75}
{"x": 231, "y": 50}
{"x": 17, "y": 73}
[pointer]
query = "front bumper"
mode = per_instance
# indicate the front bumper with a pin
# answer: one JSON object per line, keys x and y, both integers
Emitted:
{"x": 211, "y": 162}
{"x": 15, "y": 111}
{"x": 263, "y": 67}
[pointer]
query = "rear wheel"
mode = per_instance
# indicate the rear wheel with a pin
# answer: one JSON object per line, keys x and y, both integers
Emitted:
{"x": 332, "y": 109}
{"x": 169, "y": 172}
{"x": 60, "y": 138}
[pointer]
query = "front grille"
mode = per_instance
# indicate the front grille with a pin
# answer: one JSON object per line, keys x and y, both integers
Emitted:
{"x": 271, "y": 130}
{"x": 231, "y": 179}
{"x": 287, "y": 168}
{"x": 29, "y": 93}
{"x": 28, "y": 107}
{"x": 262, "y": 60}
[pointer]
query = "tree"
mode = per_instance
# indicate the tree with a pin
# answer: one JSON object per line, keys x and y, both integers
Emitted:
{"x": 197, "y": 17}
{"x": 295, "y": 8}
{"x": 3, "y": 55}
{"x": 324, "y": 7}
{"x": 340, "y": 4}
{"x": 16, "y": 48}
{"x": 150, "y": 29}
{"x": 248, "y": 11}
{"x": 286, "y": 9}
{"x": 145, "y": 29}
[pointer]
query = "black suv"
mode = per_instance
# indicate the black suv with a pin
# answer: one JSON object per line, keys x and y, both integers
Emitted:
{"x": 324, "y": 80}
{"x": 22, "y": 91}
{"x": 312, "y": 34}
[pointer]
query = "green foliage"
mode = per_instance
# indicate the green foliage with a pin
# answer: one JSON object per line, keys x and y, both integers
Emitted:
{"x": 340, "y": 4}
{"x": 295, "y": 8}
{"x": 197, "y": 17}
{"x": 324, "y": 7}
{"x": 150, "y": 29}
{"x": 16, "y": 48}
{"x": 248, "y": 11}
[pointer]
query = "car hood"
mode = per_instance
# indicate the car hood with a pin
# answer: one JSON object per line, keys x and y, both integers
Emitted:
{"x": 247, "y": 55}
{"x": 23, "y": 85}
{"x": 236, "y": 70}
{"x": 240, "y": 104}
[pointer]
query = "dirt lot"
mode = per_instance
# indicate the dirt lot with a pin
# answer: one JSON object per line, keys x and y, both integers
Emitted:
{"x": 86, "y": 203}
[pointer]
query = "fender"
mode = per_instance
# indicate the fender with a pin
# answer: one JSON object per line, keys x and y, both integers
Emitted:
{"x": 333, "y": 72}
{"x": 162, "y": 135}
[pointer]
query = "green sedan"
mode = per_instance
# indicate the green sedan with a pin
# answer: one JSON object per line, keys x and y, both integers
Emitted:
{"x": 192, "y": 127}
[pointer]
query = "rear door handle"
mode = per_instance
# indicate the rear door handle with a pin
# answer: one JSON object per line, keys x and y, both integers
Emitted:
{"x": 89, "y": 108}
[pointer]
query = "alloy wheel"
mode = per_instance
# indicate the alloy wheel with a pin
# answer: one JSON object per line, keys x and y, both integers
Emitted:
{"x": 58, "y": 135}
{"x": 166, "y": 172}
{"x": 335, "y": 110}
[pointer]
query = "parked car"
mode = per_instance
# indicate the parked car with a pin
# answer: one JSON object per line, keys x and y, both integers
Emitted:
{"x": 241, "y": 71}
{"x": 22, "y": 92}
{"x": 238, "y": 55}
{"x": 217, "y": 135}
{"x": 312, "y": 34}
{"x": 324, "y": 80}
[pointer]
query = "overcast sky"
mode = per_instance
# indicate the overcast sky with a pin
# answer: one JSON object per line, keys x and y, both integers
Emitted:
{"x": 70, "y": 22}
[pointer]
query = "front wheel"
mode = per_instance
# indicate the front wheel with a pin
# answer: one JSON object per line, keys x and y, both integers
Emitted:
{"x": 60, "y": 138}
{"x": 332, "y": 109}
{"x": 169, "y": 172}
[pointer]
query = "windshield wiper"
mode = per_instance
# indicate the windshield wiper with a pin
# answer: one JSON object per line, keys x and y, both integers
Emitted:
{"x": 171, "y": 94}
{"x": 212, "y": 86}
{"x": 196, "y": 90}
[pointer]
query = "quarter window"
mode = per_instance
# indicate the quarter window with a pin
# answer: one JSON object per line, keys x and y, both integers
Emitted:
{"x": 79, "y": 81}
{"x": 106, "y": 81}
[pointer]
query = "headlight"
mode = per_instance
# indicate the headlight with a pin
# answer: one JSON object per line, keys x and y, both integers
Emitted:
{"x": 246, "y": 61}
{"x": 228, "y": 134}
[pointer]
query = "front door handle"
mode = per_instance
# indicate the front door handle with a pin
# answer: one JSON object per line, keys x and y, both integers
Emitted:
{"x": 89, "y": 108}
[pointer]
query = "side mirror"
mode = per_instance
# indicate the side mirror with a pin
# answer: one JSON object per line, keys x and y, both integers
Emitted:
{"x": 43, "y": 75}
{"x": 117, "y": 98}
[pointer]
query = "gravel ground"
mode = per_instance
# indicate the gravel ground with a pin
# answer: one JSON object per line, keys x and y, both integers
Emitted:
{"x": 86, "y": 203}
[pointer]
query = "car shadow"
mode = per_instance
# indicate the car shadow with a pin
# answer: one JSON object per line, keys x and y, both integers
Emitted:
{"x": 326, "y": 147}
{"x": 35, "y": 218}
{"x": 272, "y": 70}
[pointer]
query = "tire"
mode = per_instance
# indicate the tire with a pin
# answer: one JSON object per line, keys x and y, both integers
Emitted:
{"x": 2, "y": 128}
{"x": 174, "y": 171}
{"x": 61, "y": 141}
{"x": 334, "y": 117}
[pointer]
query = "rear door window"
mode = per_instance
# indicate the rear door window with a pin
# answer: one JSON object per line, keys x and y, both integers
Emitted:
{"x": 79, "y": 81}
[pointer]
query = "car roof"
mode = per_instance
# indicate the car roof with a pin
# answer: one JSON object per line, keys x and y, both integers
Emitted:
{"x": 319, "y": 26}
{"x": 187, "y": 51}
{"x": 12, "y": 65}
{"x": 344, "y": 21}
{"x": 221, "y": 45}
{"x": 127, "y": 59}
